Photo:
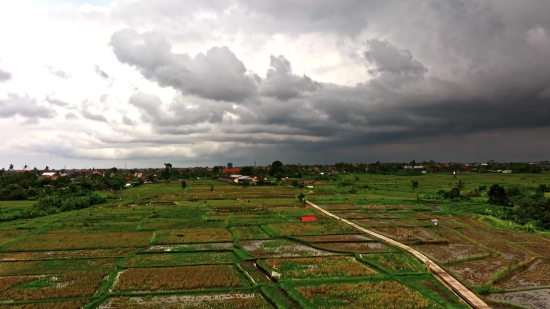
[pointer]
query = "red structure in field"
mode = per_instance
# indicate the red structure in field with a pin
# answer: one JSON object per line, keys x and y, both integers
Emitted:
{"x": 309, "y": 218}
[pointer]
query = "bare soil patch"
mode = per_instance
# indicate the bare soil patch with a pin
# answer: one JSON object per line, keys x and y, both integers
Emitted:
{"x": 536, "y": 299}
{"x": 450, "y": 252}
{"x": 280, "y": 248}
{"x": 536, "y": 274}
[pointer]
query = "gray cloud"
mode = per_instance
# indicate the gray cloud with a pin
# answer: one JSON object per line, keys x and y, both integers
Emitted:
{"x": 284, "y": 85}
{"x": 127, "y": 121}
{"x": 58, "y": 73}
{"x": 4, "y": 75}
{"x": 390, "y": 60}
{"x": 100, "y": 72}
{"x": 95, "y": 117}
{"x": 24, "y": 106}
{"x": 56, "y": 102}
{"x": 217, "y": 75}
{"x": 71, "y": 116}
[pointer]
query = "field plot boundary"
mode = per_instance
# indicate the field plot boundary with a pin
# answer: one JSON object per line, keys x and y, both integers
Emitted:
{"x": 439, "y": 272}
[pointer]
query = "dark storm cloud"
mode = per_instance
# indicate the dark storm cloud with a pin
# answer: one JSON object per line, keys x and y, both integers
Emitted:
{"x": 4, "y": 75}
{"x": 100, "y": 72}
{"x": 282, "y": 84}
{"x": 440, "y": 71}
{"x": 24, "y": 106}
{"x": 95, "y": 117}
{"x": 217, "y": 75}
{"x": 58, "y": 73}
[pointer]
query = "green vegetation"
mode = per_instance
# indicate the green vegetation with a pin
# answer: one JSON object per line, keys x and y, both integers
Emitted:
{"x": 161, "y": 243}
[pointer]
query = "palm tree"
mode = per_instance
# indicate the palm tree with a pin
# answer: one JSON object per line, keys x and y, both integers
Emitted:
{"x": 460, "y": 185}
{"x": 25, "y": 167}
{"x": 46, "y": 169}
{"x": 11, "y": 167}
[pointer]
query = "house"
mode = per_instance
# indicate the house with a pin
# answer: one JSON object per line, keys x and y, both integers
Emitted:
{"x": 48, "y": 175}
{"x": 233, "y": 170}
{"x": 507, "y": 171}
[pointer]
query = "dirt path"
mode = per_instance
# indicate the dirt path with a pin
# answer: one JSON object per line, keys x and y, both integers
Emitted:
{"x": 457, "y": 287}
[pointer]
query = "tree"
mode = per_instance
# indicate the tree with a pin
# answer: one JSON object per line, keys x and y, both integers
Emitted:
{"x": 166, "y": 172}
{"x": 216, "y": 169}
{"x": 229, "y": 165}
{"x": 454, "y": 193}
{"x": 25, "y": 167}
{"x": 114, "y": 170}
{"x": 46, "y": 169}
{"x": 414, "y": 184}
{"x": 211, "y": 188}
{"x": 276, "y": 168}
{"x": 301, "y": 197}
{"x": 295, "y": 183}
{"x": 246, "y": 183}
{"x": 183, "y": 184}
{"x": 460, "y": 185}
{"x": 247, "y": 170}
{"x": 11, "y": 167}
{"x": 497, "y": 195}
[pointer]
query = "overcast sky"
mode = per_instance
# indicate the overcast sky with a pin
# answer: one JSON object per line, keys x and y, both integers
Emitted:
{"x": 103, "y": 83}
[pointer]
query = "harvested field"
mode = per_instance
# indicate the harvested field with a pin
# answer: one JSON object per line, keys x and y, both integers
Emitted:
{"x": 373, "y": 222}
{"x": 449, "y": 235}
{"x": 354, "y": 247}
{"x": 403, "y": 234}
{"x": 384, "y": 294}
{"x": 541, "y": 248}
{"x": 536, "y": 299}
{"x": 54, "y": 241}
{"x": 194, "y": 235}
{"x": 394, "y": 262}
{"x": 335, "y": 238}
{"x": 403, "y": 222}
{"x": 72, "y": 254}
{"x": 55, "y": 266}
{"x": 72, "y": 304}
{"x": 311, "y": 228}
{"x": 176, "y": 259}
{"x": 178, "y": 278}
{"x": 451, "y": 252}
{"x": 250, "y": 232}
{"x": 319, "y": 267}
{"x": 65, "y": 285}
{"x": 536, "y": 274}
{"x": 479, "y": 272}
{"x": 211, "y": 301}
{"x": 331, "y": 207}
{"x": 280, "y": 248}
{"x": 355, "y": 215}
{"x": 213, "y": 246}
{"x": 238, "y": 209}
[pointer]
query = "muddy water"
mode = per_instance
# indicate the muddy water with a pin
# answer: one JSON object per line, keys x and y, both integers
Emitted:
{"x": 535, "y": 299}
{"x": 281, "y": 248}
{"x": 446, "y": 253}
{"x": 331, "y": 238}
{"x": 537, "y": 274}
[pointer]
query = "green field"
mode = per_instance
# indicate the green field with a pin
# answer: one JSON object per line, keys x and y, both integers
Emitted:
{"x": 161, "y": 246}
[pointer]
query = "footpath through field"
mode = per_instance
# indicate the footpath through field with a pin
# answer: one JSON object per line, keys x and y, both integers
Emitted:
{"x": 467, "y": 295}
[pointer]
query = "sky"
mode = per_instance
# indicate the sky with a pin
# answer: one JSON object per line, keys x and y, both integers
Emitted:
{"x": 136, "y": 83}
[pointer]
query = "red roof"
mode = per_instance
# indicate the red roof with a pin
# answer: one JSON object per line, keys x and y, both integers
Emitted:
{"x": 231, "y": 170}
{"x": 309, "y": 218}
